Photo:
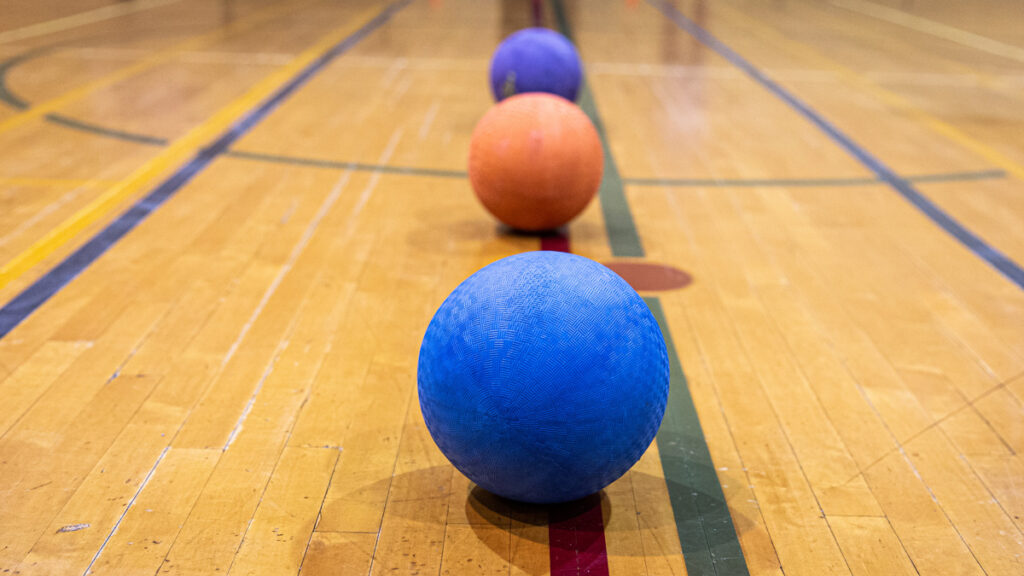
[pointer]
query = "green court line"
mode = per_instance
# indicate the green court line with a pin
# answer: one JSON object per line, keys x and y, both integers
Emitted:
{"x": 706, "y": 531}
{"x": 709, "y": 540}
{"x": 618, "y": 219}
{"x": 338, "y": 165}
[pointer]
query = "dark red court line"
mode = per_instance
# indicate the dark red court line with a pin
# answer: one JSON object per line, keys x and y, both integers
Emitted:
{"x": 555, "y": 242}
{"x": 575, "y": 541}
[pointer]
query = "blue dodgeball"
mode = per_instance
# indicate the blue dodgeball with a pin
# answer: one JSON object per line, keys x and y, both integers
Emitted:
{"x": 536, "y": 60}
{"x": 543, "y": 377}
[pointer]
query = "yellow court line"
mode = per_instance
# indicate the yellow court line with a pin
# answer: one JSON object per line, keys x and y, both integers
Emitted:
{"x": 179, "y": 151}
{"x": 49, "y": 106}
{"x": 80, "y": 19}
{"x": 46, "y": 182}
{"x": 890, "y": 98}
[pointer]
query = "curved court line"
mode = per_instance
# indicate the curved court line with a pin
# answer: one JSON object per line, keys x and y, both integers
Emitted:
{"x": 160, "y": 57}
{"x": 341, "y": 165}
{"x": 9, "y": 97}
{"x": 1002, "y": 263}
{"x": 254, "y": 106}
{"x": 108, "y": 132}
{"x": 6, "y": 96}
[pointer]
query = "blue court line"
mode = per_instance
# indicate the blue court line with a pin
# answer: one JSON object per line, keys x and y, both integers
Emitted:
{"x": 1010, "y": 269}
{"x": 29, "y": 300}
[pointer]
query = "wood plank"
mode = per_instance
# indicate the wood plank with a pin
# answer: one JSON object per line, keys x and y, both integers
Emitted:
{"x": 211, "y": 534}
{"x": 622, "y": 535}
{"x": 933, "y": 544}
{"x": 174, "y": 401}
{"x": 995, "y": 541}
{"x": 29, "y": 381}
{"x": 1002, "y": 476}
{"x": 475, "y": 549}
{"x": 49, "y": 451}
{"x": 339, "y": 554}
{"x": 1003, "y": 411}
{"x": 356, "y": 498}
{"x": 104, "y": 495}
{"x": 412, "y": 529}
{"x": 275, "y": 540}
{"x": 152, "y": 523}
{"x": 971, "y": 434}
{"x": 870, "y": 546}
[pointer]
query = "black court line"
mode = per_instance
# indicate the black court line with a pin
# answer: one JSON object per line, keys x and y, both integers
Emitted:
{"x": 109, "y": 132}
{"x": 1010, "y": 269}
{"x": 668, "y": 182}
{"x": 12, "y": 99}
{"x": 337, "y": 165}
{"x": 811, "y": 182}
{"x": 29, "y": 300}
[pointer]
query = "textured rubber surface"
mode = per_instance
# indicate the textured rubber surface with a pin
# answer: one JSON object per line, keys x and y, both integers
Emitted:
{"x": 535, "y": 161}
{"x": 536, "y": 60}
{"x": 543, "y": 377}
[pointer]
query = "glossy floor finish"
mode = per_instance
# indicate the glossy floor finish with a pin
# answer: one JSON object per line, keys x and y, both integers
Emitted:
{"x": 222, "y": 378}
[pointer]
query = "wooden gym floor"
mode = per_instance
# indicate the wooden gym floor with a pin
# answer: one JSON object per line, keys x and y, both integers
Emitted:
{"x": 224, "y": 227}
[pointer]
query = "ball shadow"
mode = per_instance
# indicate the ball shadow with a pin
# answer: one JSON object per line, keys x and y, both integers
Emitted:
{"x": 499, "y": 511}
{"x": 505, "y": 514}
{"x": 508, "y": 231}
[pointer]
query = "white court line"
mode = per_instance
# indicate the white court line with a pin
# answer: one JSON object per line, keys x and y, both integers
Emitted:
{"x": 934, "y": 28}
{"x": 371, "y": 184}
{"x": 328, "y": 203}
{"x": 80, "y": 19}
{"x": 292, "y": 259}
{"x": 428, "y": 119}
{"x": 297, "y": 251}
